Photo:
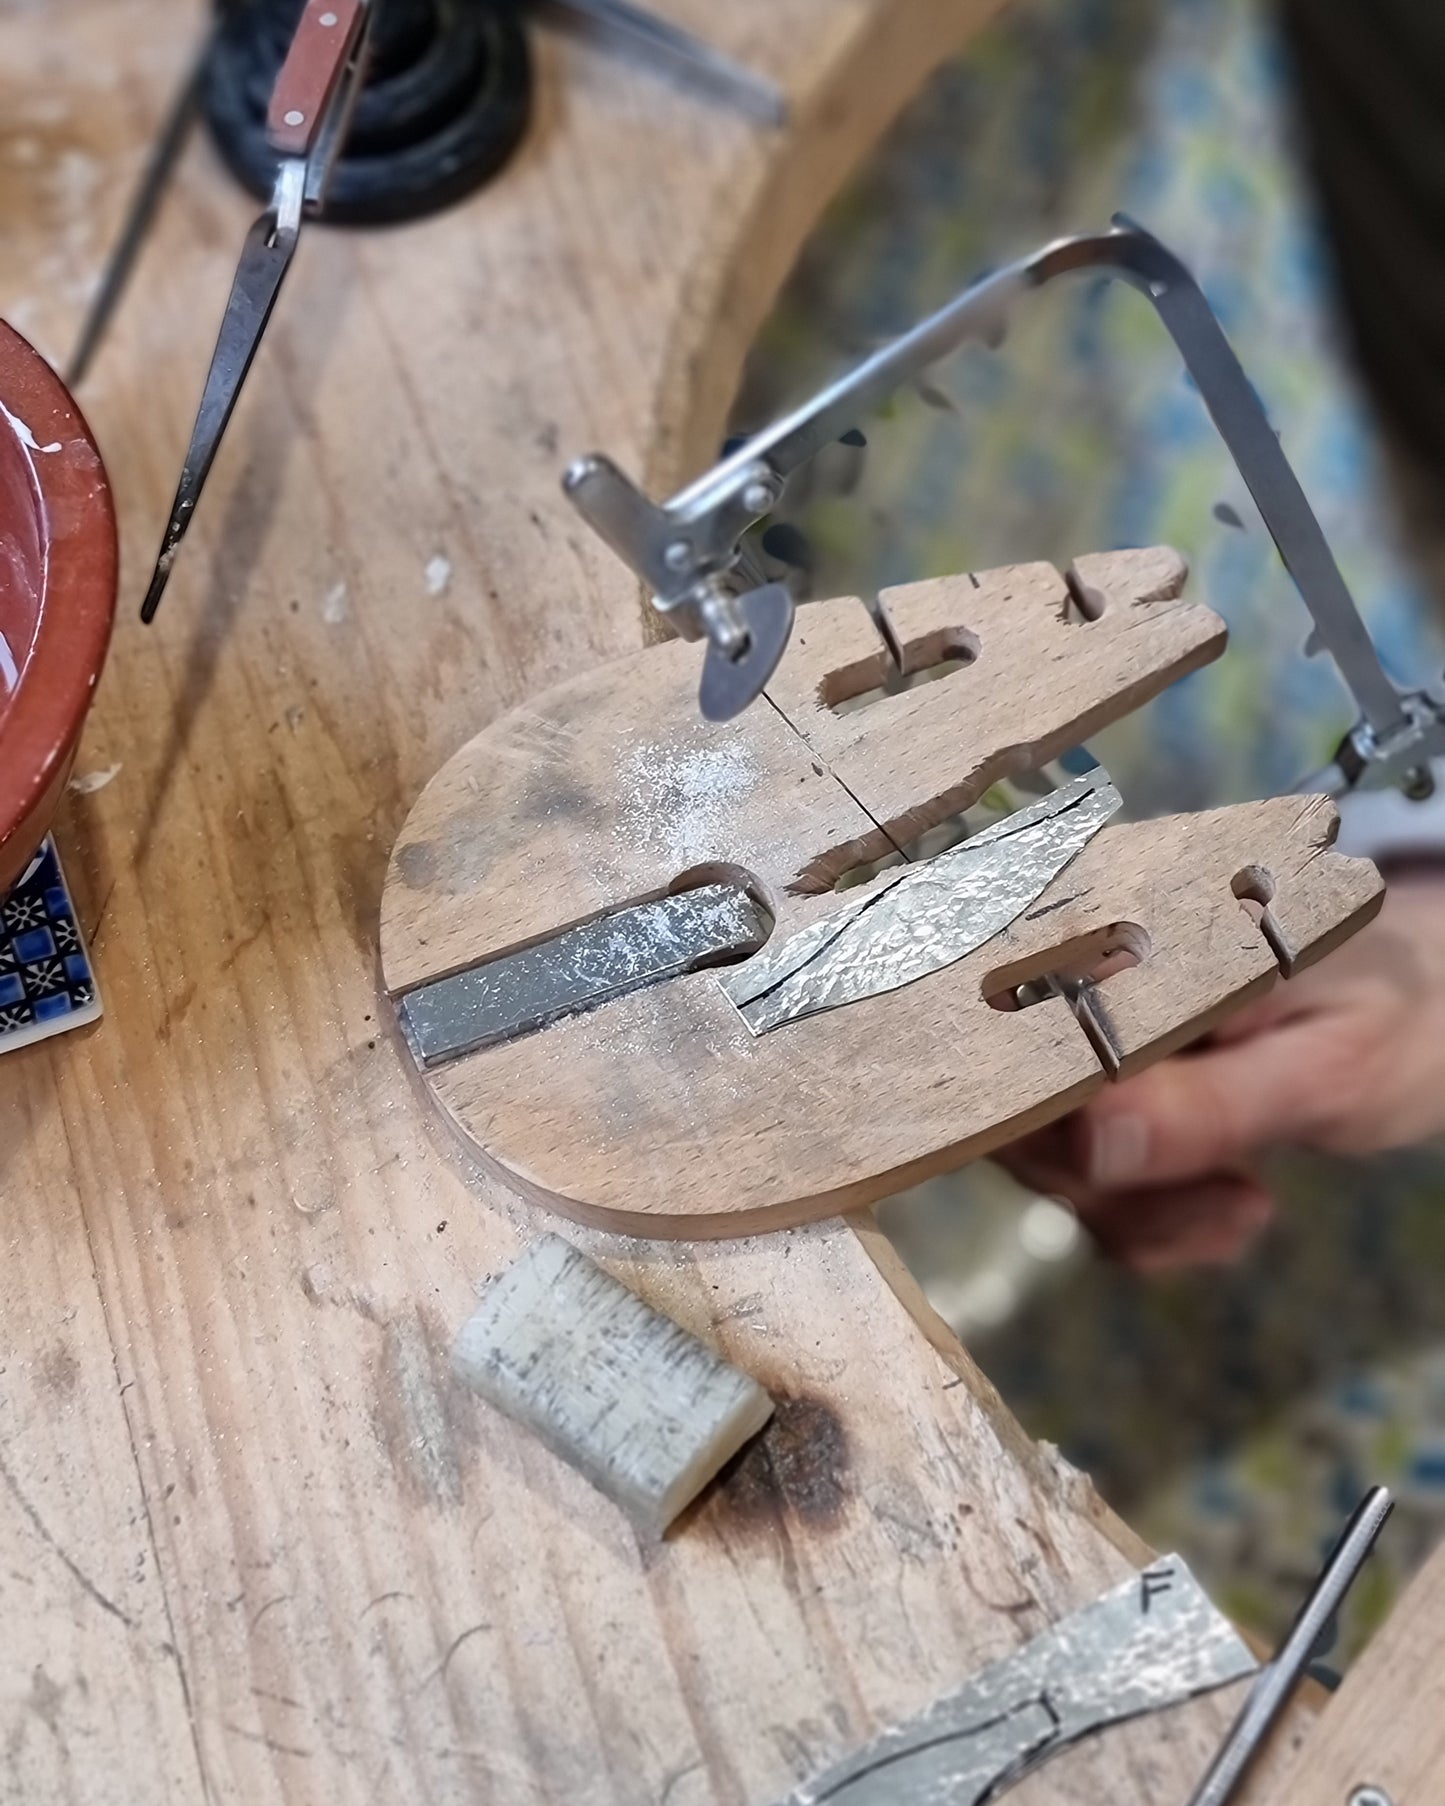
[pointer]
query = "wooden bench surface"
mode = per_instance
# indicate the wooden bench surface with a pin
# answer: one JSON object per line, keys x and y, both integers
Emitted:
{"x": 257, "y": 1544}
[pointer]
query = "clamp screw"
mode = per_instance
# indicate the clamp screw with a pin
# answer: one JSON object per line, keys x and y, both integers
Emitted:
{"x": 758, "y": 498}
{"x": 722, "y": 621}
{"x": 678, "y": 555}
{"x": 1370, "y": 1796}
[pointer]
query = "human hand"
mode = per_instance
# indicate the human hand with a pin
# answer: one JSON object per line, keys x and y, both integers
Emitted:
{"x": 1347, "y": 1058}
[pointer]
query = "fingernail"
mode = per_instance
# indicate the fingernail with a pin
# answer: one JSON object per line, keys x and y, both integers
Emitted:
{"x": 1118, "y": 1150}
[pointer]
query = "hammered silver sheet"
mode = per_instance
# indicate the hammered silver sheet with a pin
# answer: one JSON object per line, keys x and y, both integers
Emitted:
{"x": 1154, "y": 1641}
{"x": 924, "y": 917}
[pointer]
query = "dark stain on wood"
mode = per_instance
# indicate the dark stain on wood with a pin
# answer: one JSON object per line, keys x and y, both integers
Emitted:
{"x": 417, "y": 863}
{"x": 798, "y": 1464}
{"x": 553, "y": 795}
{"x": 455, "y": 867}
{"x": 59, "y": 1371}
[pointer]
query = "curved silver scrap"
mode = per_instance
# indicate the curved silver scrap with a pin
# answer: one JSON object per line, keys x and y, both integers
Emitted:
{"x": 924, "y": 917}
{"x": 686, "y": 548}
{"x": 1154, "y": 1641}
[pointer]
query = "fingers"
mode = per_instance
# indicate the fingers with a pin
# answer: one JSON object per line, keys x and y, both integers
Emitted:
{"x": 1208, "y": 1223}
{"x": 1347, "y": 1058}
{"x": 1050, "y": 1160}
{"x": 1154, "y": 1165}
{"x": 1189, "y": 1117}
{"x": 1202, "y": 1113}
{"x": 1151, "y": 1165}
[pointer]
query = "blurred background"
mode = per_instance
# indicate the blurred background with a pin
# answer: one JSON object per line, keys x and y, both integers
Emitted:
{"x": 1295, "y": 157}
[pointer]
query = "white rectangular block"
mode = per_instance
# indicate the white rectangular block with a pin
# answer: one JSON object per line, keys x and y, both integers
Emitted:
{"x": 643, "y": 1409}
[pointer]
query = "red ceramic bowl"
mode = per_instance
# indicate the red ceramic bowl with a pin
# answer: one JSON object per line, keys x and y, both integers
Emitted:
{"x": 57, "y": 592}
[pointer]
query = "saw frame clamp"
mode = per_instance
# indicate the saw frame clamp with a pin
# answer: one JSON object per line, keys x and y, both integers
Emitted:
{"x": 688, "y": 549}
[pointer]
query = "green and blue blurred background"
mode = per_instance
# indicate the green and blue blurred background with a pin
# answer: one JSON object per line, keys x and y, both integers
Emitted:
{"x": 1233, "y": 1414}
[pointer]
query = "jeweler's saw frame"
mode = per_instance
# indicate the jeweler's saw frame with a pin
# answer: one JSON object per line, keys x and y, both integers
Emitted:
{"x": 687, "y": 549}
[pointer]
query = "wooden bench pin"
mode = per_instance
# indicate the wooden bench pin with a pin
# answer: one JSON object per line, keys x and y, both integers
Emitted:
{"x": 542, "y": 869}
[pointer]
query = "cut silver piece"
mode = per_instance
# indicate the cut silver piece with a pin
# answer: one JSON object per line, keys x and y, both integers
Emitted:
{"x": 1153, "y": 1641}
{"x": 918, "y": 920}
{"x": 580, "y": 967}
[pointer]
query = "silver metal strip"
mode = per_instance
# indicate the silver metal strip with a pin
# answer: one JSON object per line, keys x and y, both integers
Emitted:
{"x": 578, "y": 968}
{"x": 1154, "y": 1641}
{"x": 924, "y": 917}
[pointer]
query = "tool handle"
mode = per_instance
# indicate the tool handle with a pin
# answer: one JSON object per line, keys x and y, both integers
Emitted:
{"x": 307, "y": 79}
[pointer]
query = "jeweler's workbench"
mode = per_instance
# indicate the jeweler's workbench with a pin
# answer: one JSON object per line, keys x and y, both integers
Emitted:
{"x": 258, "y": 1544}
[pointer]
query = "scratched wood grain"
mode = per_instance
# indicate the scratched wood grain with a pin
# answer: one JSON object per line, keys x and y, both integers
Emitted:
{"x": 257, "y": 1545}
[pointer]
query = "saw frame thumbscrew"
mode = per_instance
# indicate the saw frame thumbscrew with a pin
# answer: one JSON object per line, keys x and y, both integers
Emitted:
{"x": 1370, "y": 1796}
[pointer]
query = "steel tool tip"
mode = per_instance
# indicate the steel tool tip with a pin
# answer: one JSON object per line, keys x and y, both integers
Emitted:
{"x": 160, "y": 576}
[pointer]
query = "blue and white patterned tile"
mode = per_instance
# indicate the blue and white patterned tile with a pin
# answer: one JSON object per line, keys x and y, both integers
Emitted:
{"x": 47, "y": 984}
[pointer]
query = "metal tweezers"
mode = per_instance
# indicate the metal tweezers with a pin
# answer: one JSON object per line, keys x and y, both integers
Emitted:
{"x": 687, "y": 549}
{"x": 329, "y": 59}
{"x": 310, "y": 110}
